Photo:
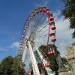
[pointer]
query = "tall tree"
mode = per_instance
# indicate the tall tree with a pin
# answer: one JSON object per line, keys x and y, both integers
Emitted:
{"x": 69, "y": 12}
{"x": 5, "y": 66}
{"x": 11, "y": 66}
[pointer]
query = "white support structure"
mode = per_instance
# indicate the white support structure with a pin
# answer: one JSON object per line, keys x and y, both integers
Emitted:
{"x": 49, "y": 71}
{"x": 33, "y": 60}
{"x": 24, "y": 54}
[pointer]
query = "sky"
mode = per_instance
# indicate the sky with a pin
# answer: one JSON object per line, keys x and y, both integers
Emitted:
{"x": 13, "y": 15}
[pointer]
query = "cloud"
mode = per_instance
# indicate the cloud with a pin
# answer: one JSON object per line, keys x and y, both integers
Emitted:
{"x": 56, "y": 14}
{"x": 14, "y": 45}
{"x": 63, "y": 33}
{"x": 4, "y": 49}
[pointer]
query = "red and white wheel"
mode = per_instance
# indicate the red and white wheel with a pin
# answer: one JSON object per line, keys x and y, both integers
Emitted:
{"x": 33, "y": 18}
{"x": 39, "y": 29}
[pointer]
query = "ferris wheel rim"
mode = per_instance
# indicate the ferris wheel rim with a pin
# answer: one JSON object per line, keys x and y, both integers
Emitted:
{"x": 50, "y": 22}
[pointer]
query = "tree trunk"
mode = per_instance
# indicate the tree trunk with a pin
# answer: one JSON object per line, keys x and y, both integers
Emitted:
{"x": 56, "y": 73}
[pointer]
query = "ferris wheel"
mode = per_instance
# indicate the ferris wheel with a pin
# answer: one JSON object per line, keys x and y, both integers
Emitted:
{"x": 39, "y": 34}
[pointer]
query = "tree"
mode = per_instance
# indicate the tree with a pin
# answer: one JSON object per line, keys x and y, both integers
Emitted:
{"x": 5, "y": 67}
{"x": 11, "y": 66}
{"x": 69, "y": 12}
{"x": 17, "y": 67}
{"x": 66, "y": 64}
{"x": 50, "y": 53}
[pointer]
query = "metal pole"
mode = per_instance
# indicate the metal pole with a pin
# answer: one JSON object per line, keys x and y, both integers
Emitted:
{"x": 33, "y": 60}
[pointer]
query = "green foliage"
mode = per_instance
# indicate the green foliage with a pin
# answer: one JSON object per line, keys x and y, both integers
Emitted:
{"x": 44, "y": 49}
{"x": 11, "y": 66}
{"x": 66, "y": 64}
{"x": 5, "y": 67}
{"x": 69, "y": 12}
